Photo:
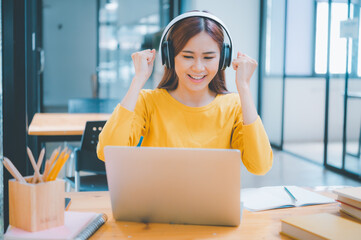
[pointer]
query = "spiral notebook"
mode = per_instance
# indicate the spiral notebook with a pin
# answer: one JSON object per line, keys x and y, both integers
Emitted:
{"x": 77, "y": 225}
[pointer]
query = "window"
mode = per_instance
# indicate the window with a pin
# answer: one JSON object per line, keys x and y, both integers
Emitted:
{"x": 338, "y": 44}
{"x": 120, "y": 35}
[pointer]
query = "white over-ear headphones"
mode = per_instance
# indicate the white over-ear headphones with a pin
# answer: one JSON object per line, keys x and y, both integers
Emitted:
{"x": 166, "y": 49}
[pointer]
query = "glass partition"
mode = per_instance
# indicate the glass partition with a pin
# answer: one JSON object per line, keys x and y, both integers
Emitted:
{"x": 273, "y": 80}
{"x": 353, "y": 129}
{"x": 311, "y": 82}
{"x": 125, "y": 28}
{"x": 304, "y": 101}
{"x": 352, "y": 96}
{"x": 304, "y": 122}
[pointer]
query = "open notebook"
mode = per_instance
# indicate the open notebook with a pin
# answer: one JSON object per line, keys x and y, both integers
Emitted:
{"x": 264, "y": 198}
{"x": 78, "y": 225}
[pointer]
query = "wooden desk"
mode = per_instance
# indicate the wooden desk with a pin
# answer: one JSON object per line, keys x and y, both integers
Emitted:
{"x": 254, "y": 225}
{"x": 61, "y": 127}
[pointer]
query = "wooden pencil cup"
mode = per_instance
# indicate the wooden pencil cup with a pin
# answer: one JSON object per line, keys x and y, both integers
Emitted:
{"x": 36, "y": 207}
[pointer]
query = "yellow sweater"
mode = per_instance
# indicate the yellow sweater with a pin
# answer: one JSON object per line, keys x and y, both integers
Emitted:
{"x": 165, "y": 122}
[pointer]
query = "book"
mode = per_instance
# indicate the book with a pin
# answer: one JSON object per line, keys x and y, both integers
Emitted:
{"x": 349, "y": 201}
{"x": 320, "y": 226}
{"x": 77, "y": 225}
{"x": 350, "y": 210}
{"x": 350, "y": 195}
{"x": 265, "y": 198}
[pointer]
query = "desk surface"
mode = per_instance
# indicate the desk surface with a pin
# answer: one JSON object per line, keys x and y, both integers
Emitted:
{"x": 254, "y": 225}
{"x": 60, "y": 124}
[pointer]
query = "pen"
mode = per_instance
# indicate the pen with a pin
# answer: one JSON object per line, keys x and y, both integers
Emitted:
{"x": 140, "y": 141}
{"x": 290, "y": 194}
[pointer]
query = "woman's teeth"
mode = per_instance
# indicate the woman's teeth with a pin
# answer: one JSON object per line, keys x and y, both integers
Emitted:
{"x": 197, "y": 77}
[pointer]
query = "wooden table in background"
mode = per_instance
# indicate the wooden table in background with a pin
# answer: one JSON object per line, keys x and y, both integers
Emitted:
{"x": 62, "y": 124}
{"x": 61, "y": 127}
{"x": 254, "y": 225}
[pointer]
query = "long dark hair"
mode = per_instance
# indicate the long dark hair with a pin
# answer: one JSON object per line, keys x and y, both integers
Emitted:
{"x": 179, "y": 35}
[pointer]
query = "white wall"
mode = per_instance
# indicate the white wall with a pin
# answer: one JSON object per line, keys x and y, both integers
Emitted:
{"x": 69, "y": 37}
{"x": 242, "y": 18}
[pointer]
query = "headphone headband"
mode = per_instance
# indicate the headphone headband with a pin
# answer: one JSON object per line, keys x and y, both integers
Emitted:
{"x": 194, "y": 14}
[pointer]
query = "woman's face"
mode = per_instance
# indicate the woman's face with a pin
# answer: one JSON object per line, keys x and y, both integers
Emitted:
{"x": 197, "y": 63}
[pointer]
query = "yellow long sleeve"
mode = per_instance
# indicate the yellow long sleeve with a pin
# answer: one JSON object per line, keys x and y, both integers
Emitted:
{"x": 165, "y": 122}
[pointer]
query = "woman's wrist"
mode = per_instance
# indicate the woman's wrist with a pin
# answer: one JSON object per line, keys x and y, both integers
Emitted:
{"x": 138, "y": 82}
{"x": 242, "y": 86}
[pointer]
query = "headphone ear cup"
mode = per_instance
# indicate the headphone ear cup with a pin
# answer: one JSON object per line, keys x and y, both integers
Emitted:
{"x": 221, "y": 59}
{"x": 170, "y": 54}
{"x": 226, "y": 56}
{"x": 167, "y": 54}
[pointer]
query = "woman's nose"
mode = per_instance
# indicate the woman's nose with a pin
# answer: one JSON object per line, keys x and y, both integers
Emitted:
{"x": 198, "y": 65}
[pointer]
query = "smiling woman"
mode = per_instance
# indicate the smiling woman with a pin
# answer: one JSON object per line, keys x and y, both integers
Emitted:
{"x": 191, "y": 108}
{"x": 196, "y": 66}
{"x": 202, "y": 45}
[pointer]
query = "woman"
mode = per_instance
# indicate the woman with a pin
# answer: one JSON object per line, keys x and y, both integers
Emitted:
{"x": 191, "y": 106}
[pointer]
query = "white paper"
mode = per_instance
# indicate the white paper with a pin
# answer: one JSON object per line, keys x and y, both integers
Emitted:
{"x": 258, "y": 199}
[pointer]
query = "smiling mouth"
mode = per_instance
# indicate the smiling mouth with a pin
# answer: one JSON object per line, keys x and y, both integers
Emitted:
{"x": 197, "y": 78}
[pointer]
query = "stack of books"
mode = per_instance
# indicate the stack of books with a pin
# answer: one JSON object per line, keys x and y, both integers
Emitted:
{"x": 326, "y": 225}
{"x": 320, "y": 226}
{"x": 350, "y": 199}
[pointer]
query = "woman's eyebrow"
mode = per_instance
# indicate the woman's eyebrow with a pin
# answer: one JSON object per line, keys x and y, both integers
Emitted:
{"x": 209, "y": 52}
{"x": 187, "y": 51}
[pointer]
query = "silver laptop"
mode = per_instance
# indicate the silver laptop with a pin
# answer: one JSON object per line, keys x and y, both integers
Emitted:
{"x": 174, "y": 185}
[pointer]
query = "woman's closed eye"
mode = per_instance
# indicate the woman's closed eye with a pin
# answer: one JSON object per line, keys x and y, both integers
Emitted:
{"x": 190, "y": 57}
{"x": 186, "y": 56}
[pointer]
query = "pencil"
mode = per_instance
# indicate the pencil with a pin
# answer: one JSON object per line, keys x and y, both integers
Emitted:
{"x": 13, "y": 170}
{"x": 36, "y": 169}
{"x": 59, "y": 166}
{"x": 54, "y": 155}
{"x": 41, "y": 157}
{"x": 40, "y": 161}
{"x": 56, "y": 166}
{"x": 50, "y": 162}
{"x": 46, "y": 170}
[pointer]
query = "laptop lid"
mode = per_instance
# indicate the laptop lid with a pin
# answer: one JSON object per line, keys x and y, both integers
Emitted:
{"x": 174, "y": 185}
